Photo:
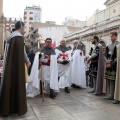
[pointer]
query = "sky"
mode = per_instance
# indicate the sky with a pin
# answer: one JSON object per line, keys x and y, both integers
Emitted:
{"x": 54, "y": 10}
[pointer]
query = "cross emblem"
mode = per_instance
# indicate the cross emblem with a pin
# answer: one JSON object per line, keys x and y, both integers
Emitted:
{"x": 47, "y": 57}
{"x": 63, "y": 56}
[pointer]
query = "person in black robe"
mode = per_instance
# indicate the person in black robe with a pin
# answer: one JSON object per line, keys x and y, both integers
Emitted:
{"x": 13, "y": 88}
{"x": 96, "y": 66}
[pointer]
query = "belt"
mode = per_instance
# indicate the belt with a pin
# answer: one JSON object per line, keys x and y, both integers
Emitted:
{"x": 59, "y": 62}
{"x": 47, "y": 64}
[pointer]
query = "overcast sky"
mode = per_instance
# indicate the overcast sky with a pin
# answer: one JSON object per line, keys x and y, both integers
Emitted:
{"x": 55, "y": 10}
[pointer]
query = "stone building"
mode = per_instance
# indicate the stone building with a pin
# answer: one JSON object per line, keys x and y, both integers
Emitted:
{"x": 1, "y": 27}
{"x": 31, "y": 14}
{"x": 48, "y": 30}
{"x": 104, "y": 22}
{"x": 9, "y": 23}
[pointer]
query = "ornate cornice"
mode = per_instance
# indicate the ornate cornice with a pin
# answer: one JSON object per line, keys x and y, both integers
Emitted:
{"x": 110, "y": 2}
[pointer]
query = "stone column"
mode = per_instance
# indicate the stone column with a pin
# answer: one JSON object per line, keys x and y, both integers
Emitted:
{"x": 1, "y": 27}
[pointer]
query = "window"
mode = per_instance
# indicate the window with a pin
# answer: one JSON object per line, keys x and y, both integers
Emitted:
{"x": 7, "y": 25}
{"x": 12, "y": 25}
{"x": 31, "y": 18}
{"x": 31, "y": 13}
{"x": 25, "y": 13}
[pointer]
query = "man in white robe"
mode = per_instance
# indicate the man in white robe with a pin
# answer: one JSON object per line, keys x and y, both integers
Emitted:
{"x": 64, "y": 62}
{"x": 78, "y": 66}
{"x": 49, "y": 70}
{"x": 33, "y": 87}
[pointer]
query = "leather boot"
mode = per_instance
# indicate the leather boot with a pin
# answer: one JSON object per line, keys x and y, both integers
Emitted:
{"x": 116, "y": 102}
{"x": 94, "y": 86}
{"x": 112, "y": 89}
{"x": 67, "y": 90}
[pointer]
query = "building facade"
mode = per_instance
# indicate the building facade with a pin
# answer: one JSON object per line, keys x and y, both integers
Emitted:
{"x": 31, "y": 14}
{"x": 104, "y": 22}
{"x": 1, "y": 27}
{"x": 49, "y": 30}
{"x": 74, "y": 23}
{"x": 9, "y": 23}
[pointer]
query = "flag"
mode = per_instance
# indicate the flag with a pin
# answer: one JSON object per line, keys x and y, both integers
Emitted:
{"x": 53, "y": 45}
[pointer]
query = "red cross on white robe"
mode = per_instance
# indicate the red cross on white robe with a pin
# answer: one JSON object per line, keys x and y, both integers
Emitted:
{"x": 47, "y": 57}
{"x": 63, "y": 56}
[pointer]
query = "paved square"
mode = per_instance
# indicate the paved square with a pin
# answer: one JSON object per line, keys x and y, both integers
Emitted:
{"x": 78, "y": 105}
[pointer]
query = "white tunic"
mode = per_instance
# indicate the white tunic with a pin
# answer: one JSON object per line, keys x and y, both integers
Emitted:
{"x": 50, "y": 73}
{"x": 78, "y": 75}
{"x": 64, "y": 70}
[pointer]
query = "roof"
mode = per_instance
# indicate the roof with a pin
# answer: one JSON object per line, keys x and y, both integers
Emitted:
{"x": 36, "y": 25}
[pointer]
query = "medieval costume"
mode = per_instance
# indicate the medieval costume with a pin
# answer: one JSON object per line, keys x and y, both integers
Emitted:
{"x": 97, "y": 68}
{"x": 64, "y": 65}
{"x": 13, "y": 89}
{"x": 117, "y": 82}
{"x": 33, "y": 87}
{"x": 49, "y": 70}
{"x": 78, "y": 65}
{"x": 31, "y": 56}
{"x": 110, "y": 73}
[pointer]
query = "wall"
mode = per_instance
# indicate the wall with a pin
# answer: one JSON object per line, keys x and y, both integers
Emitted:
{"x": 106, "y": 21}
{"x": 56, "y": 32}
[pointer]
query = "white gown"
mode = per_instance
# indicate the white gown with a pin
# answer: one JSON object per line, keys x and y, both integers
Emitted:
{"x": 64, "y": 71}
{"x": 78, "y": 75}
{"x": 50, "y": 74}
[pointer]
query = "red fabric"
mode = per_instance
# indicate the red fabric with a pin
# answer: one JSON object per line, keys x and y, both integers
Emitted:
{"x": 63, "y": 55}
{"x": 47, "y": 57}
{"x": 53, "y": 45}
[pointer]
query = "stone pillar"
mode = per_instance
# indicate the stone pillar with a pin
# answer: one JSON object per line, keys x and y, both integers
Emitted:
{"x": 1, "y": 27}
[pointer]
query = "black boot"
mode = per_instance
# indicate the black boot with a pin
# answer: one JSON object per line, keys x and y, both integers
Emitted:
{"x": 112, "y": 89}
{"x": 94, "y": 86}
{"x": 52, "y": 94}
{"x": 67, "y": 90}
{"x": 116, "y": 102}
{"x": 73, "y": 85}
